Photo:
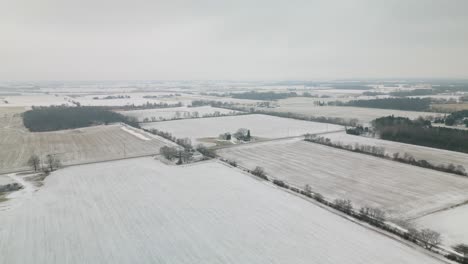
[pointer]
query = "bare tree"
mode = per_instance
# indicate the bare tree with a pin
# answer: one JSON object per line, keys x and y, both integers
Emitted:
{"x": 260, "y": 172}
{"x": 168, "y": 152}
{"x": 373, "y": 213}
{"x": 52, "y": 162}
{"x": 429, "y": 238}
{"x": 34, "y": 161}
{"x": 344, "y": 205}
{"x": 308, "y": 190}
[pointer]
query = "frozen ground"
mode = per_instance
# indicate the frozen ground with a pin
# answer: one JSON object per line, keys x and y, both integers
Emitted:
{"x": 262, "y": 126}
{"x": 364, "y": 115}
{"x": 451, "y": 223}
{"x": 33, "y": 100}
{"x": 204, "y": 213}
{"x": 434, "y": 156}
{"x": 4, "y": 180}
{"x": 402, "y": 190}
{"x": 97, "y": 143}
{"x": 176, "y": 112}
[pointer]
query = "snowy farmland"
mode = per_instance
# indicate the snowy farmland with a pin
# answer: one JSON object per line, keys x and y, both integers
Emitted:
{"x": 204, "y": 213}
{"x": 450, "y": 223}
{"x": 29, "y": 100}
{"x": 262, "y": 126}
{"x": 305, "y": 106}
{"x": 176, "y": 112}
{"x": 402, "y": 190}
{"x": 89, "y": 144}
{"x": 434, "y": 156}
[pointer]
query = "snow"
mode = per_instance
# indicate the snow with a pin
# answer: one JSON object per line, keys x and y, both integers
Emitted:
{"x": 305, "y": 106}
{"x": 402, "y": 190}
{"x": 33, "y": 100}
{"x": 17, "y": 198}
{"x": 169, "y": 113}
{"x": 451, "y": 223}
{"x": 142, "y": 211}
{"x": 262, "y": 126}
{"x": 72, "y": 146}
{"x": 136, "y": 134}
{"x": 433, "y": 155}
{"x": 4, "y": 180}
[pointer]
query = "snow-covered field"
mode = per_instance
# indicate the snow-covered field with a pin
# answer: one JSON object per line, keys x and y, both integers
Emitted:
{"x": 262, "y": 126}
{"x": 452, "y": 224}
{"x": 141, "y": 211}
{"x": 135, "y": 98}
{"x": 176, "y": 112}
{"x": 33, "y": 100}
{"x": 402, "y": 190}
{"x": 364, "y": 115}
{"x": 433, "y": 155}
{"x": 71, "y": 146}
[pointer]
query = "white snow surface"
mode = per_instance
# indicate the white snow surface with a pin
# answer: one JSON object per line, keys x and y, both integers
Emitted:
{"x": 451, "y": 223}
{"x": 433, "y": 155}
{"x": 305, "y": 106}
{"x": 402, "y": 190}
{"x": 142, "y": 211}
{"x": 133, "y": 132}
{"x": 169, "y": 113}
{"x": 262, "y": 126}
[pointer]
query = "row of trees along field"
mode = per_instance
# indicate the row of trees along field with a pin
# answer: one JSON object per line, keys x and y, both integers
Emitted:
{"x": 420, "y": 132}
{"x": 63, "y": 117}
{"x": 267, "y": 96}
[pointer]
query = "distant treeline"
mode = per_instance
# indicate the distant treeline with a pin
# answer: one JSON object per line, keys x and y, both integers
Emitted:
{"x": 416, "y": 92}
{"x": 63, "y": 117}
{"x": 409, "y": 104}
{"x": 349, "y": 86}
{"x": 267, "y": 96}
{"x": 420, "y": 132}
{"x": 148, "y": 105}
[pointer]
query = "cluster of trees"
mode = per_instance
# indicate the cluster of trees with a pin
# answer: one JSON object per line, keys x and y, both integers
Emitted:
{"x": 416, "y": 92}
{"x": 182, "y": 154}
{"x": 186, "y": 152}
{"x": 220, "y": 104}
{"x": 148, "y": 105}
{"x": 50, "y": 163}
{"x": 409, "y": 104}
{"x": 187, "y": 115}
{"x": 265, "y": 96}
{"x": 380, "y": 152}
{"x": 242, "y": 134}
{"x": 427, "y": 237}
{"x": 112, "y": 97}
{"x": 259, "y": 172}
{"x": 64, "y": 117}
{"x": 357, "y": 130}
{"x": 420, "y": 132}
{"x": 457, "y": 118}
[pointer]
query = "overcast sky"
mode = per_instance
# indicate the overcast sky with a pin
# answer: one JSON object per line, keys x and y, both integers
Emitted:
{"x": 235, "y": 40}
